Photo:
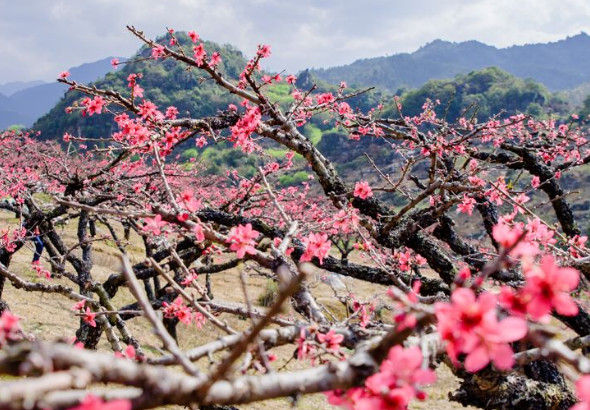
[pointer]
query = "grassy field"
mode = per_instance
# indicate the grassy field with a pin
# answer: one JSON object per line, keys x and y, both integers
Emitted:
{"x": 49, "y": 317}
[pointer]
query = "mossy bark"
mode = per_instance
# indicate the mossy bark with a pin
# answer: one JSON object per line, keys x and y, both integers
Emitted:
{"x": 493, "y": 390}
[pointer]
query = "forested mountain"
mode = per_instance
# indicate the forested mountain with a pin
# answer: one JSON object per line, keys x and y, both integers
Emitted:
{"x": 560, "y": 65}
{"x": 484, "y": 93}
{"x": 479, "y": 94}
{"x": 165, "y": 83}
{"x": 28, "y": 101}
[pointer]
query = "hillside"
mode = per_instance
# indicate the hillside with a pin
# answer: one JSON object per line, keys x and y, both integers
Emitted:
{"x": 490, "y": 91}
{"x": 480, "y": 94}
{"x": 560, "y": 65}
{"x": 165, "y": 83}
{"x": 430, "y": 68}
{"x": 485, "y": 93}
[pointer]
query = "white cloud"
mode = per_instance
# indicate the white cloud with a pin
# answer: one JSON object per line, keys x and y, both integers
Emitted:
{"x": 42, "y": 37}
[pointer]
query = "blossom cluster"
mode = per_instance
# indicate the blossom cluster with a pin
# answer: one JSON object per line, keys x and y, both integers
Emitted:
{"x": 177, "y": 309}
{"x": 397, "y": 382}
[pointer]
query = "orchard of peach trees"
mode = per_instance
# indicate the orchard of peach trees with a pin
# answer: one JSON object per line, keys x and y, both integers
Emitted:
{"x": 479, "y": 266}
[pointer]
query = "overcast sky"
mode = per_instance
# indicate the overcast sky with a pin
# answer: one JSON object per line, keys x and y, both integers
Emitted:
{"x": 42, "y": 37}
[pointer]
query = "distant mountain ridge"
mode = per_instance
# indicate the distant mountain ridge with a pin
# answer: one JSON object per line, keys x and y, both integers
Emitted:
{"x": 7, "y": 89}
{"x": 479, "y": 94}
{"x": 24, "y": 103}
{"x": 167, "y": 83}
{"x": 560, "y": 65}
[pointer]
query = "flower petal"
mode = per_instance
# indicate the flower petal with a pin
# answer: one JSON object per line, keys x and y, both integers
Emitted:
{"x": 564, "y": 305}
{"x": 477, "y": 359}
{"x": 512, "y": 329}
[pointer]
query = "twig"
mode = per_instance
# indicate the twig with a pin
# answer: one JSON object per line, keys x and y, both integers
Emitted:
{"x": 286, "y": 217}
{"x": 150, "y": 314}
{"x": 259, "y": 344}
{"x": 223, "y": 326}
{"x": 247, "y": 338}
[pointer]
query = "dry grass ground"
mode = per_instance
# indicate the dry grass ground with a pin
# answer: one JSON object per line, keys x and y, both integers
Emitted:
{"x": 50, "y": 317}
